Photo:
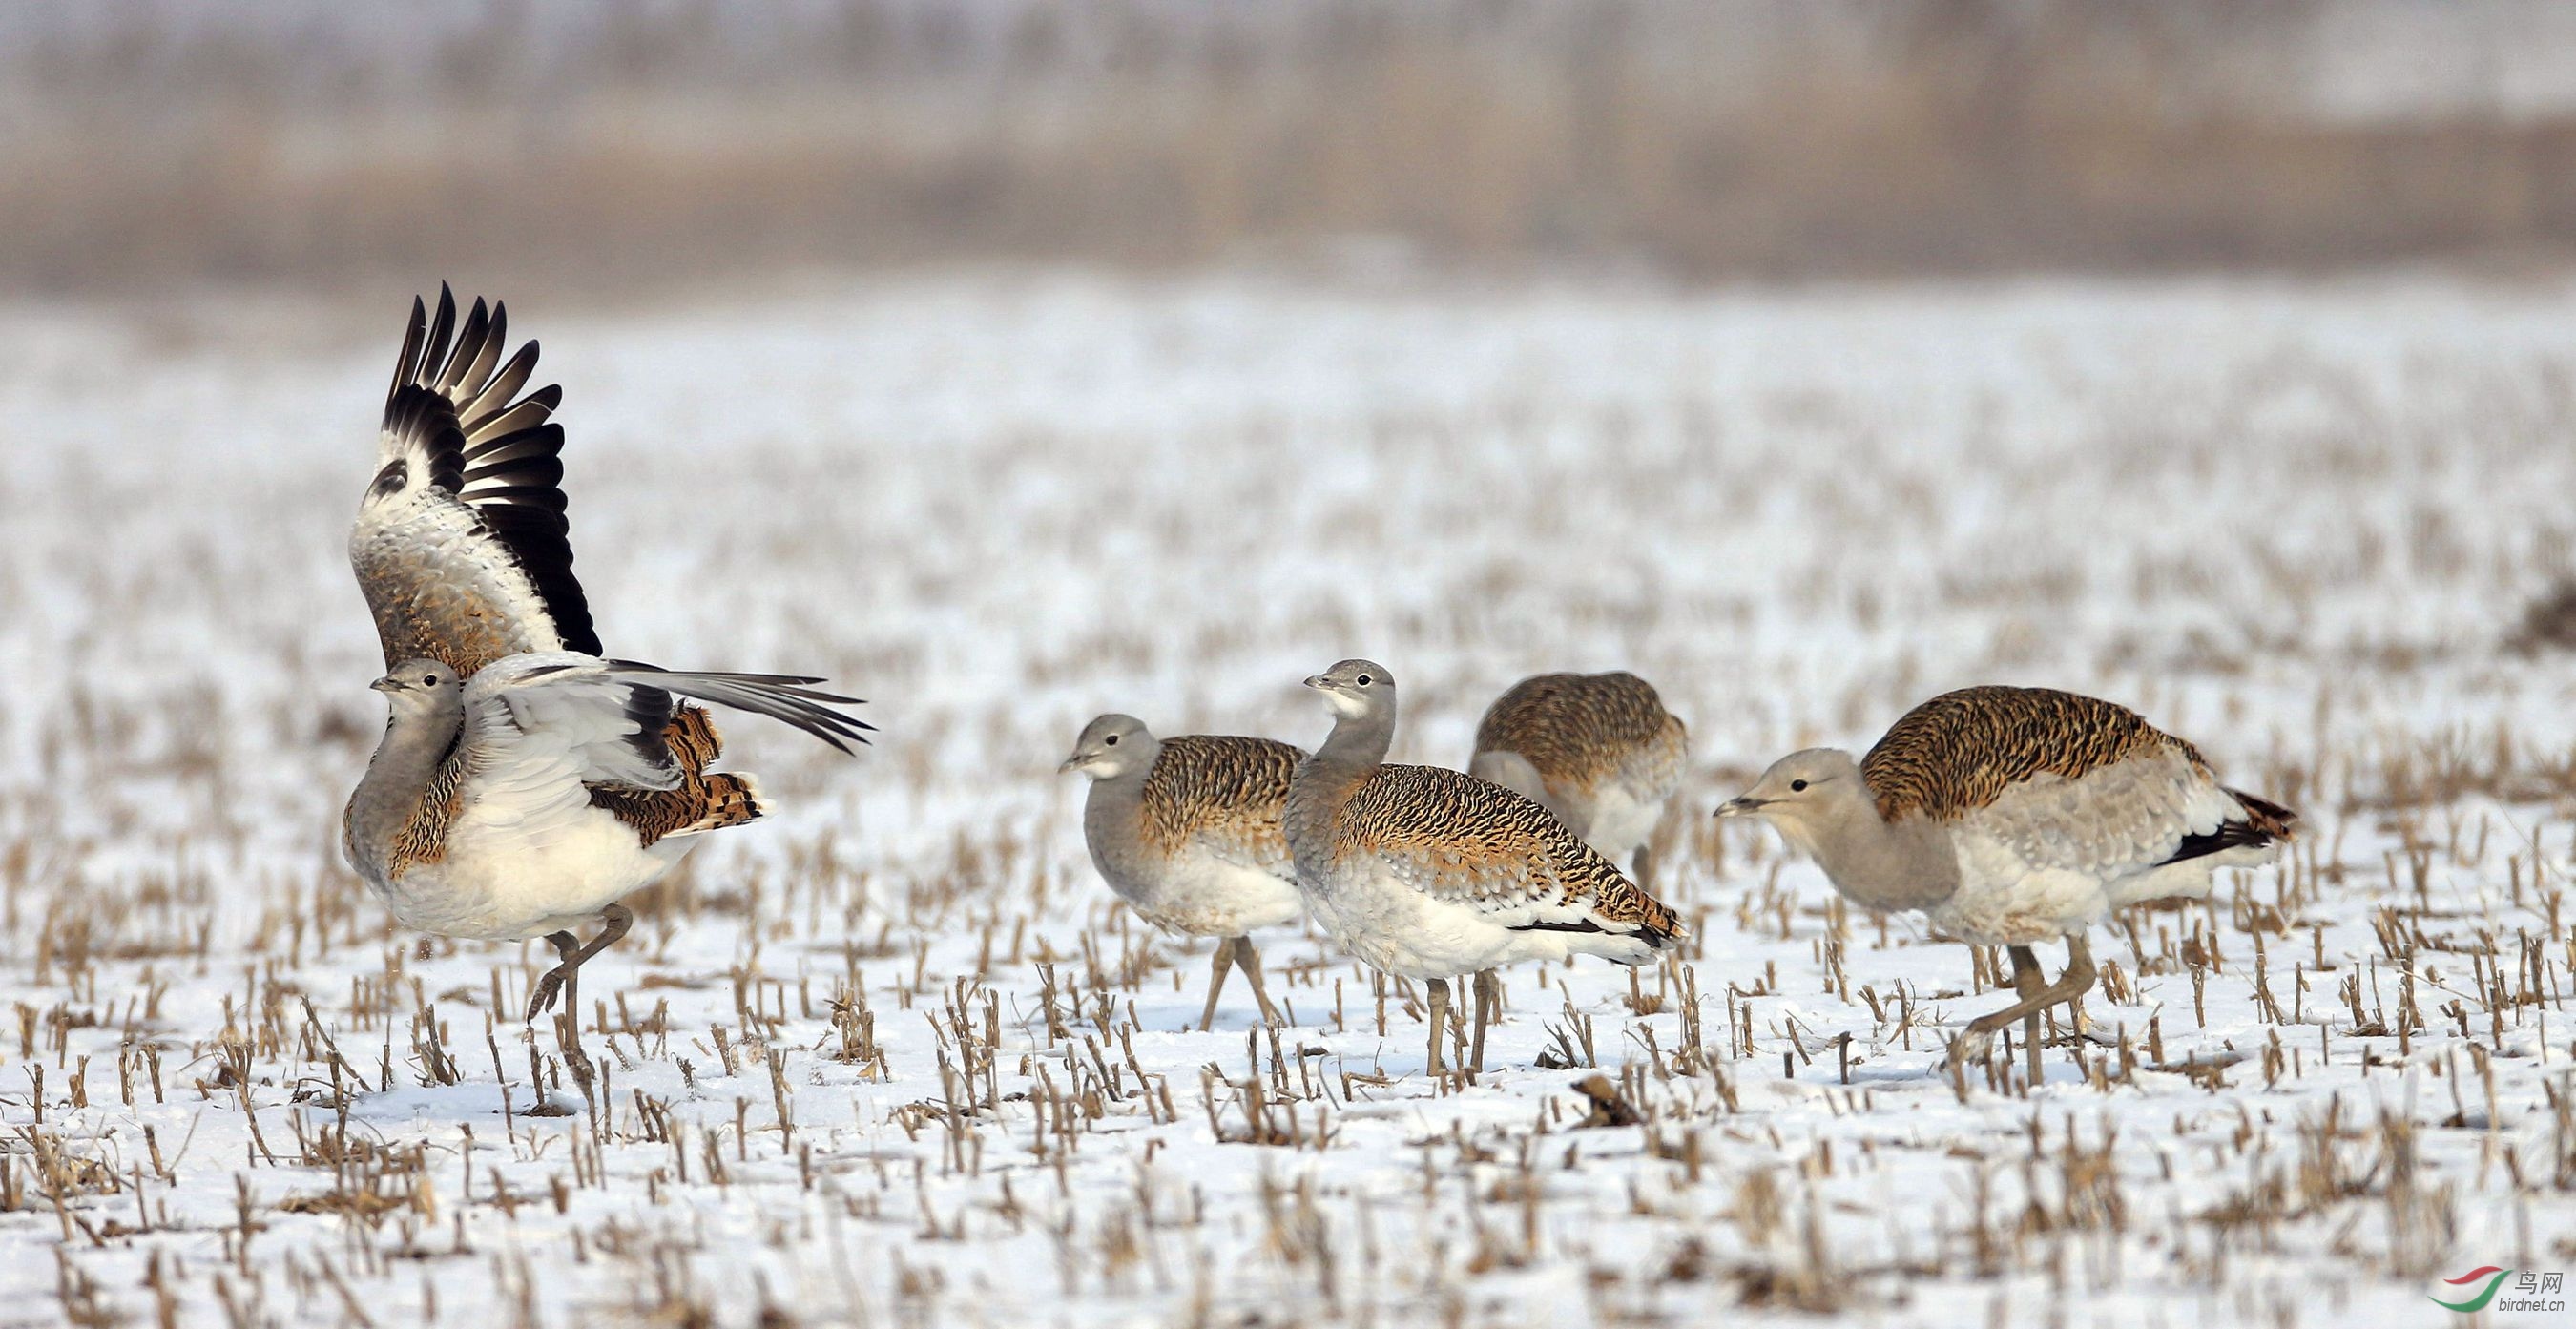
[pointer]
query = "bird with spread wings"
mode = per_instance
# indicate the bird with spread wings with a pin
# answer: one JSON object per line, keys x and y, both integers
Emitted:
{"x": 532, "y": 806}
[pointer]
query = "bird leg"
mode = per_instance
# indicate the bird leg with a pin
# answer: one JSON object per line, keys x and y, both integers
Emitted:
{"x": 2076, "y": 978}
{"x": 2027, "y": 983}
{"x": 1248, "y": 959}
{"x": 1438, "y": 998}
{"x": 1489, "y": 1007}
{"x": 1216, "y": 981}
{"x": 2072, "y": 982}
{"x": 565, "y": 977}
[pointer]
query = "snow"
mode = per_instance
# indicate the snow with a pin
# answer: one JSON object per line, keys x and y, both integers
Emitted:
{"x": 2294, "y": 521}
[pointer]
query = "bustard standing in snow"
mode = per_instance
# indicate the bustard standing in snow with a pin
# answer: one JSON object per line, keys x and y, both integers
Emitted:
{"x": 1186, "y": 831}
{"x": 1598, "y": 750}
{"x": 2012, "y": 816}
{"x": 524, "y": 784}
{"x": 1433, "y": 874}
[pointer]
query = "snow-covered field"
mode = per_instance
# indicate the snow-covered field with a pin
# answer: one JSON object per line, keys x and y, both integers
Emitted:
{"x": 893, "y": 1057}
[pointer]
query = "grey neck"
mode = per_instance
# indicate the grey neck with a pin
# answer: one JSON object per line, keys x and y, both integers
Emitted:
{"x": 1358, "y": 742}
{"x": 415, "y": 745}
{"x": 1112, "y": 822}
{"x": 1909, "y": 865}
{"x": 1326, "y": 781}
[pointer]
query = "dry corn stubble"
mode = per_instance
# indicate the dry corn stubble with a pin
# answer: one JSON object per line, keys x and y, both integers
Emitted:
{"x": 896, "y": 1054}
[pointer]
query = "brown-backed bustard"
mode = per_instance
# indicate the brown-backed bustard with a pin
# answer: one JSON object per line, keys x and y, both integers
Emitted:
{"x": 1598, "y": 750}
{"x": 2011, "y": 816}
{"x": 1433, "y": 873}
{"x": 1186, "y": 831}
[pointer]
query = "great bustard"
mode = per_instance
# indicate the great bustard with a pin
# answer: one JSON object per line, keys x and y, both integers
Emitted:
{"x": 1186, "y": 831}
{"x": 1598, "y": 750}
{"x": 524, "y": 784}
{"x": 1433, "y": 874}
{"x": 2012, "y": 816}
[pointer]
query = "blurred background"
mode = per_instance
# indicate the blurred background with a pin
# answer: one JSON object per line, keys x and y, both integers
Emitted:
{"x": 610, "y": 146}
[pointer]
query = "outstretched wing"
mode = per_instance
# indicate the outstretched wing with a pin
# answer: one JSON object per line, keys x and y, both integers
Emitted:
{"x": 573, "y": 714}
{"x": 461, "y": 546}
{"x": 790, "y": 699}
{"x": 548, "y": 734}
{"x": 542, "y": 730}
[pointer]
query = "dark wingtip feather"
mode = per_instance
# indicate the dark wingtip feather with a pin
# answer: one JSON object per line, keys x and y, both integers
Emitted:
{"x": 649, "y": 710}
{"x": 2265, "y": 823}
{"x": 410, "y": 353}
{"x": 781, "y": 697}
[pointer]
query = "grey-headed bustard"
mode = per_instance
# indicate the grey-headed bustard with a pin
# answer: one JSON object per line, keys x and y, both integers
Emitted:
{"x": 524, "y": 784}
{"x": 2011, "y": 816}
{"x": 1434, "y": 874}
{"x": 1186, "y": 831}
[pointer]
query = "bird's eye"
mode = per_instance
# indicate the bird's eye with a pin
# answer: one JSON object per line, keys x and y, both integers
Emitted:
{"x": 429, "y": 680}
{"x": 1111, "y": 741}
{"x": 1797, "y": 786}
{"x": 1365, "y": 680}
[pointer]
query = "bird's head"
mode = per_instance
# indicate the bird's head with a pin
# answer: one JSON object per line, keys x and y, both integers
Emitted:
{"x": 1802, "y": 792}
{"x": 1111, "y": 746}
{"x": 419, "y": 685}
{"x": 1356, "y": 688}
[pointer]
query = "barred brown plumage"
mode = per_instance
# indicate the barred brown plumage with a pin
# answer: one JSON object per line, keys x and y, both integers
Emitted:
{"x": 423, "y": 837}
{"x": 1960, "y": 750}
{"x": 1478, "y": 843}
{"x": 1220, "y": 785}
{"x": 1575, "y": 726}
{"x": 1598, "y": 750}
{"x": 703, "y": 800}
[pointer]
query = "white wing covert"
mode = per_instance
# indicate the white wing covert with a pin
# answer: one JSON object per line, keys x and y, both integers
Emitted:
{"x": 2124, "y": 818}
{"x": 573, "y": 713}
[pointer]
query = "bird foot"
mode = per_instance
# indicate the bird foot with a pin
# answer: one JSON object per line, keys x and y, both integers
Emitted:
{"x": 548, "y": 989}
{"x": 2090, "y": 1033}
{"x": 1970, "y": 1047}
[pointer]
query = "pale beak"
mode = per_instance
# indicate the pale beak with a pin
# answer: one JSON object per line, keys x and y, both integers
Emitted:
{"x": 1742, "y": 807}
{"x": 1069, "y": 763}
{"x": 385, "y": 684}
{"x": 1315, "y": 681}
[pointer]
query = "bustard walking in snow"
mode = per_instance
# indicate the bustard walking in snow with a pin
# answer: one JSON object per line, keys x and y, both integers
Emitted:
{"x": 2012, "y": 816}
{"x": 1433, "y": 874}
{"x": 1598, "y": 750}
{"x": 523, "y": 785}
{"x": 1186, "y": 831}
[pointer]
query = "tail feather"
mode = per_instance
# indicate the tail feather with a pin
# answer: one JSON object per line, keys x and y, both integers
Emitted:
{"x": 693, "y": 738}
{"x": 2275, "y": 821}
{"x": 700, "y": 800}
{"x": 731, "y": 800}
{"x": 2266, "y": 823}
